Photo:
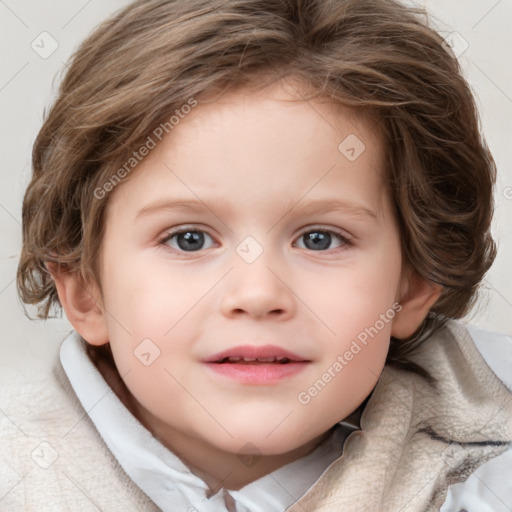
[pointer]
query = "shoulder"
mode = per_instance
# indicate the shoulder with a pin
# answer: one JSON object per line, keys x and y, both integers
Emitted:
{"x": 30, "y": 405}
{"x": 32, "y": 410}
{"x": 52, "y": 457}
{"x": 489, "y": 487}
{"x": 496, "y": 349}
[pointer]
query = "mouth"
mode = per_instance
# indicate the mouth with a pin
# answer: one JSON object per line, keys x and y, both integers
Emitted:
{"x": 251, "y": 354}
{"x": 251, "y": 364}
{"x": 252, "y": 360}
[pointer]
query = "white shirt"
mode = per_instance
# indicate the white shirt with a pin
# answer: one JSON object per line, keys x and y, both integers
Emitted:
{"x": 172, "y": 486}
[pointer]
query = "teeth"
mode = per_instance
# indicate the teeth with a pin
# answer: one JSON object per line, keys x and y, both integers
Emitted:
{"x": 271, "y": 359}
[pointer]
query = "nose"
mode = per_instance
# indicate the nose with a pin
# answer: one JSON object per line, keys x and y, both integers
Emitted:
{"x": 258, "y": 291}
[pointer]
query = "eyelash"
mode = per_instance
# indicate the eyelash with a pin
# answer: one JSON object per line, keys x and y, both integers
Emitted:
{"x": 345, "y": 240}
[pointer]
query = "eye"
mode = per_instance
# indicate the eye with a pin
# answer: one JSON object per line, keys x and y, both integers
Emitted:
{"x": 321, "y": 240}
{"x": 186, "y": 240}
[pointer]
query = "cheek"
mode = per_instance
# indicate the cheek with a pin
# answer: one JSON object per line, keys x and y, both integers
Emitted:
{"x": 153, "y": 311}
{"x": 344, "y": 384}
{"x": 148, "y": 299}
{"x": 357, "y": 308}
{"x": 354, "y": 298}
{"x": 351, "y": 364}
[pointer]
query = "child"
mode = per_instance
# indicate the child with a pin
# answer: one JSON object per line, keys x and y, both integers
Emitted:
{"x": 262, "y": 219}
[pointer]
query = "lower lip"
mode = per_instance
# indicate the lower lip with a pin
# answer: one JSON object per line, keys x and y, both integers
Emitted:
{"x": 257, "y": 373}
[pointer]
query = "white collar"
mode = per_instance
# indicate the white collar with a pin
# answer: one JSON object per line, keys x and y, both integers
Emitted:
{"x": 161, "y": 474}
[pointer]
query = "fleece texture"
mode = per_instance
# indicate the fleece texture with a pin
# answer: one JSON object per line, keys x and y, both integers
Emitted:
{"x": 415, "y": 440}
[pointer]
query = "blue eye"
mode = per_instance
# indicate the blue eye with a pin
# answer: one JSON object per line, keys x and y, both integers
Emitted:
{"x": 187, "y": 240}
{"x": 320, "y": 239}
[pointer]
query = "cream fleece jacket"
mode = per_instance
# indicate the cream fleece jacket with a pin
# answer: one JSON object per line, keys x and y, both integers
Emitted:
{"x": 415, "y": 441}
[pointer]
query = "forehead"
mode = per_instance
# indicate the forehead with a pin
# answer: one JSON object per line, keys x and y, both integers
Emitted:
{"x": 255, "y": 147}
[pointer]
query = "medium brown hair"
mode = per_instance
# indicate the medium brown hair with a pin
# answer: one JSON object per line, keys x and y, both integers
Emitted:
{"x": 379, "y": 56}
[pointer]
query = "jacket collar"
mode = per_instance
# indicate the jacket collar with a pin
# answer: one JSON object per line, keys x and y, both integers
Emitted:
{"x": 415, "y": 438}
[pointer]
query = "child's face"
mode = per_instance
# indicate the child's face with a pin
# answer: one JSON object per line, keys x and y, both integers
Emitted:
{"x": 252, "y": 176}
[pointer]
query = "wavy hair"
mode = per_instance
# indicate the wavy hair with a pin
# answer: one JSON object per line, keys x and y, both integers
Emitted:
{"x": 379, "y": 56}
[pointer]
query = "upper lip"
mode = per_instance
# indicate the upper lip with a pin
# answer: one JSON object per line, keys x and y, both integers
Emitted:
{"x": 255, "y": 352}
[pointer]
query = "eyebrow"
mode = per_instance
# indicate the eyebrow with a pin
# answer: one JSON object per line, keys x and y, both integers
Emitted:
{"x": 317, "y": 206}
{"x": 190, "y": 205}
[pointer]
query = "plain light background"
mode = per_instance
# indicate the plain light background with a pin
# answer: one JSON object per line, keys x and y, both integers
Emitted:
{"x": 29, "y": 31}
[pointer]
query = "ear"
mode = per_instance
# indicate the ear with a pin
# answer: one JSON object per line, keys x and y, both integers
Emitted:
{"x": 416, "y": 298}
{"x": 82, "y": 304}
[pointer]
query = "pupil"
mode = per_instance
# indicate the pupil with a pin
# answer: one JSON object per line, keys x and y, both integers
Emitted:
{"x": 317, "y": 240}
{"x": 190, "y": 240}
